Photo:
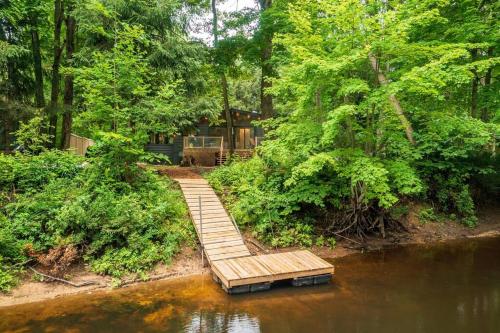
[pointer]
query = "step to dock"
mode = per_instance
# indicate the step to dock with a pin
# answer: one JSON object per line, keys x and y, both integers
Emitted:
{"x": 231, "y": 262}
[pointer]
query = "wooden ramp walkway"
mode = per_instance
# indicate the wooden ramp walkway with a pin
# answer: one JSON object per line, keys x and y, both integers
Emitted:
{"x": 231, "y": 262}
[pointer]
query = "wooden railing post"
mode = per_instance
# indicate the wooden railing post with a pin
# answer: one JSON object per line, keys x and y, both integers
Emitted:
{"x": 221, "y": 149}
{"x": 235, "y": 225}
{"x": 201, "y": 232}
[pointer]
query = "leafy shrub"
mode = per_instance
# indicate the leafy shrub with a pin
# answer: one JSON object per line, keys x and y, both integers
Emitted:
{"x": 32, "y": 135}
{"x": 121, "y": 218}
{"x": 427, "y": 215}
{"x": 299, "y": 234}
{"x": 30, "y": 173}
{"x": 8, "y": 275}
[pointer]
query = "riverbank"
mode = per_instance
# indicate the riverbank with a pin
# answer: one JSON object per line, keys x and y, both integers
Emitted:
{"x": 188, "y": 261}
{"x": 458, "y": 283}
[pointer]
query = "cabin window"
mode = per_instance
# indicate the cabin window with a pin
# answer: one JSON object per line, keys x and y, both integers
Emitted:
{"x": 244, "y": 138}
{"x": 160, "y": 139}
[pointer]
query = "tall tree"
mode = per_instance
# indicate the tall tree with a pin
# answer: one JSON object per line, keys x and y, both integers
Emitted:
{"x": 393, "y": 100}
{"x": 266, "y": 49}
{"x": 33, "y": 17}
{"x": 68, "y": 79}
{"x": 56, "y": 64}
{"x": 223, "y": 81}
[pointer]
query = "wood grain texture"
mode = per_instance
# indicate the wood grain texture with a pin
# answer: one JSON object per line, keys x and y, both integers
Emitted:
{"x": 226, "y": 251}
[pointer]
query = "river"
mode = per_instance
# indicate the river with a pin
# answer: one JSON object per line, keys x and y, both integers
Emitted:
{"x": 445, "y": 287}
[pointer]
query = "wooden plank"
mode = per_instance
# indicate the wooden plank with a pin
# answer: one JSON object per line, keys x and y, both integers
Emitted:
{"x": 216, "y": 230}
{"x": 229, "y": 249}
{"x": 204, "y": 200}
{"x": 204, "y": 203}
{"x": 222, "y": 239}
{"x": 221, "y": 234}
{"x": 207, "y": 196}
{"x": 196, "y": 218}
{"x": 195, "y": 185}
{"x": 209, "y": 225}
{"x": 197, "y": 189}
{"x": 204, "y": 206}
{"x": 213, "y": 213}
{"x": 307, "y": 257}
{"x": 255, "y": 265}
{"x": 230, "y": 255}
{"x": 224, "y": 244}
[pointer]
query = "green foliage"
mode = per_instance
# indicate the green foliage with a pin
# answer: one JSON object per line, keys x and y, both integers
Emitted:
{"x": 122, "y": 91}
{"x": 298, "y": 234}
{"x": 8, "y": 276}
{"x": 32, "y": 136}
{"x": 28, "y": 173}
{"x": 354, "y": 79}
{"x": 122, "y": 218}
{"x": 427, "y": 215}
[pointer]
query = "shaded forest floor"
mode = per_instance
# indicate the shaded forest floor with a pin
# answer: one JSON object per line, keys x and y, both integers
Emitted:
{"x": 188, "y": 262}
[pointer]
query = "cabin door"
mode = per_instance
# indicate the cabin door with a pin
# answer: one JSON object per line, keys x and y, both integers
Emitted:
{"x": 243, "y": 138}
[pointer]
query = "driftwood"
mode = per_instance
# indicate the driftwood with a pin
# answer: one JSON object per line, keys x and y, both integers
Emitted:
{"x": 77, "y": 285}
{"x": 347, "y": 238}
{"x": 149, "y": 279}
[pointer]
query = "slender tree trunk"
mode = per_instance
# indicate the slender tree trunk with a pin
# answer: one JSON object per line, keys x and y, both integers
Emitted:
{"x": 227, "y": 113}
{"x": 266, "y": 100}
{"x": 7, "y": 127}
{"x": 487, "y": 83}
{"x": 37, "y": 63}
{"x": 11, "y": 93}
{"x": 474, "y": 88}
{"x": 57, "y": 50}
{"x": 393, "y": 101}
{"x": 225, "y": 94}
{"x": 68, "y": 82}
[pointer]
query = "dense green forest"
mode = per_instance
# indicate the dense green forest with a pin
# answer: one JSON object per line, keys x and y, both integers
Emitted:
{"x": 366, "y": 105}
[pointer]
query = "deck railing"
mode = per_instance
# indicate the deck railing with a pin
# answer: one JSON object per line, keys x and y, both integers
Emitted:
{"x": 79, "y": 144}
{"x": 203, "y": 142}
{"x": 213, "y": 142}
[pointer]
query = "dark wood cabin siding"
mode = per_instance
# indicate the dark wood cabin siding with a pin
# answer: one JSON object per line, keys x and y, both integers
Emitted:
{"x": 172, "y": 150}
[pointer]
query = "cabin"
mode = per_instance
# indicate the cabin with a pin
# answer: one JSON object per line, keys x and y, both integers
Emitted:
{"x": 206, "y": 144}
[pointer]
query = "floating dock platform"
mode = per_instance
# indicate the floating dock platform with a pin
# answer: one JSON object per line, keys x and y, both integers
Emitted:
{"x": 232, "y": 264}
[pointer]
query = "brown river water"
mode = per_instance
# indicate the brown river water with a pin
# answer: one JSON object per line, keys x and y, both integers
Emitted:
{"x": 446, "y": 287}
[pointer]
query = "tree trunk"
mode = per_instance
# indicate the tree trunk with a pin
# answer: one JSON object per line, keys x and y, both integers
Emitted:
{"x": 487, "y": 83}
{"x": 393, "y": 101}
{"x": 37, "y": 63}
{"x": 68, "y": 82}
{"x": 266, "y": 100}
{"x": 225, "y": 96}
{"x": 474, "y": 89}
{"x": 57, "y": 50}
{"x": 227, "y": 113}
{"x": 7, "y": 127}
{"x": 11, "y": 93}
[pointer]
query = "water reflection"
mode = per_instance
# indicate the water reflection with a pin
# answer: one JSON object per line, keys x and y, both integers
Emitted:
{"x": 442, "y": 288}
{"x": 221, "y": 322}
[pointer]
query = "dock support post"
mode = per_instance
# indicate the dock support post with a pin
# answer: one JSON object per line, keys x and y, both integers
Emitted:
{"x": 201, "y": 232}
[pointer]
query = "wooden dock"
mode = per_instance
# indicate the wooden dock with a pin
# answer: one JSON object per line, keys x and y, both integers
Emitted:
{"x": 231, "y": 262}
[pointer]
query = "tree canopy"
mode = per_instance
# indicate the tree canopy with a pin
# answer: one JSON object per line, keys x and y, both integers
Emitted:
{"x": 366, "y": 105}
